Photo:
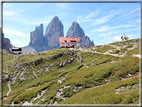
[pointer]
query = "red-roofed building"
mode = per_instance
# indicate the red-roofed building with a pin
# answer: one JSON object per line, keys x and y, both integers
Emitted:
{"x": 69, "y": 42}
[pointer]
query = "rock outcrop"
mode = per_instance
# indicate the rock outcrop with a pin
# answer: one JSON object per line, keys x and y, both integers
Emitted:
{"x": 6, "y": 42}
{"x": 53, "y": 31}
{"x": 76, "y": 31}
{"x": 36, "y": 37}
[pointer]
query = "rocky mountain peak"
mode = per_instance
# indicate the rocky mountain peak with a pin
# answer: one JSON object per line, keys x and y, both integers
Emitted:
{"x": 40, "y": 28}
{"x": 75, "y": 24}
{"x": 6, "y": 42}
{"x": 75, "y": 30}
{"x": 55, "y": 18}
{"x": 53, "y": 31}
{"x": 36, "y": 36}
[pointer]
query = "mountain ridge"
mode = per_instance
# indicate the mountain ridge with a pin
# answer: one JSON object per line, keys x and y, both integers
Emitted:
{"x": 6, "y": 44}
{"x": 41, "y": 42}
{"x": 76, "y": 31}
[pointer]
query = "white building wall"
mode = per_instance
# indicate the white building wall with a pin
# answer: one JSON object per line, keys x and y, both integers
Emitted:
{"x": 63, "y": 44}
{"x": 78, "y": 44}
{"x": 66, "y": 44}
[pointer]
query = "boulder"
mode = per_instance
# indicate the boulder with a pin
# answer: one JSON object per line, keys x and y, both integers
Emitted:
{"x": 70, "y": 52}
{"x": 61, "y": 64}
{"x": 35, "y": 62}
{"x": 64, "y": 63}
{"x": 52, "y": 65}
{"x": 7, "y": 78}
{"x": 70, "y": 61}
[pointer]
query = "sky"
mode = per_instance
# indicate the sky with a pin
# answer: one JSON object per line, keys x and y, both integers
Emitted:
{"x": 104, "y": 23}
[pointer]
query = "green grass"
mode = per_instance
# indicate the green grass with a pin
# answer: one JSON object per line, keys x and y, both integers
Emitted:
{"x": 96, "y": 69}
{"x": 104, "y": 48}
{"x": 130, "y": 66}
{"x": 106, "y": 94}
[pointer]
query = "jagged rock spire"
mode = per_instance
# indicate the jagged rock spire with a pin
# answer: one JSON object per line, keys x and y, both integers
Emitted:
{"x": 36, "y": 36}
{"x": 53, "y": 31}
{"x": 75, "y": 30}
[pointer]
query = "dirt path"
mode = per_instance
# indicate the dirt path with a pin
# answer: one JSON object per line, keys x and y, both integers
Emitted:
{"x": 116, "y": 55}
{"x": 139, "y": 56}
{"x": 117, "y": 47}
{"x": 8, "y": 84}
{"x": 34, "y": 73}
{"x": 134, "y": 46}
{"x": 106, "y": 53}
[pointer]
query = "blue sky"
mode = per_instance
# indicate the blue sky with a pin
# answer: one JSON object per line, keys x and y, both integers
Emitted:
{"x": 103, "y": 22}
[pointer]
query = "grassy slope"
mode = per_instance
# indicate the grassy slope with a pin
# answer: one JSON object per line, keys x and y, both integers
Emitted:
{"x": 96, "y": 70}
{"x": 106, "y": 94}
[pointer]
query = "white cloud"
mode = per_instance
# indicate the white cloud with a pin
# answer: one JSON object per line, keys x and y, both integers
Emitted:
{"x": 34, "y": 21}
{"x": 132, "y": 29}
{"x": 8, "y": 32}
{"x": 92, "y": 17}
{"x": 59, "y": 15}
{"x": 118, "y": 38}
{"x": 88, "y": 17}
{"x": 16, "y": 43}
{"x": 11, "y": 13}
{"x": 133, "y": 36}
{"x": 99, "y": 20}
{"x": 106, "y": 28}
{"x": 64, "y": 14}
{"x": 36, "y": 5}
{"x": 44, "y": 22}
{"x": 134, "y": 21}
{"x": 102, "y": 20}
{"x": 48, "y": 17}
{"x": 7, "y": 5}
{"x": 106, "y": 37}
{"x": 62, "y": 5}
{"x": 127, "y": 14}
{"x": 102, "y": 29}
{"x": 109, "y": 33}
{"x": 138, "y": 20}
{"x": 27, "y": 43}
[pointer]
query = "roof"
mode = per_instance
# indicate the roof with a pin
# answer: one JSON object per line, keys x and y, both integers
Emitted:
{"x": 15, "y": 48}
{"x": 69, "y": 39}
